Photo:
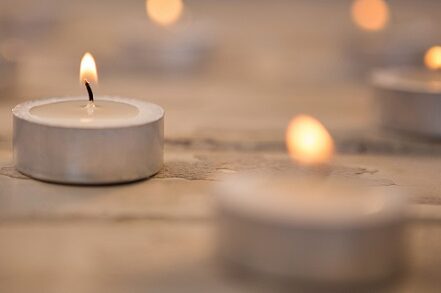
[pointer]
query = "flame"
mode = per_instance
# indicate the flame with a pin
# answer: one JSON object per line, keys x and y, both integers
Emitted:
{"x": 308, "y": 141}
{"x": 164, "y": 12}
{"x": 88, "y": 69}
{"x": 370, "y": 15}
{"x": 432, "y": 58}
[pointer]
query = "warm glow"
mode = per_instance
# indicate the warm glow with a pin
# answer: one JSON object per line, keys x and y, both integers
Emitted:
{"x": 432, "y": 59}
{"x": 88, "y": 69}
{"x": 308, "y": 141}
{"x": 164, "y": 12}
{"x": 371, "y": 15}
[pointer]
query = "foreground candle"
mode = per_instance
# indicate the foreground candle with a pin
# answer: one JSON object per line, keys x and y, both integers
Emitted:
{"x": 410, "y": 97}
{"x": 88, "y": 141}
{"x": 308, "y": 227}
{"x": 306, "y": 230}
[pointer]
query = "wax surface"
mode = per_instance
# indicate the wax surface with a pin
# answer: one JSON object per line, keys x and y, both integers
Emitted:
{"x": 421, "y": 76}
{"x": 80, "y": 111}
{"x": 75, "y": 112}
{"x": 413, "y": 79}
{"x": 310, "y": 200}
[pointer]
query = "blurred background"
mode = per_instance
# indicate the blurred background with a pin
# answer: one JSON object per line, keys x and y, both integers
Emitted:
{"x": 216, "y": 61}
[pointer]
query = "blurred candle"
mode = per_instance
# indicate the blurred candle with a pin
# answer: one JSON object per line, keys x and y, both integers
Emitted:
{"x": 378, "y": 41}
{"x": 409, "y": 97}
{"x": 171, "y": 44}
{"x": 310, "y": 227}
{"x": 370, "y": 15}
{"x": 432, "y": 58}
{"x": 164, "y": 12}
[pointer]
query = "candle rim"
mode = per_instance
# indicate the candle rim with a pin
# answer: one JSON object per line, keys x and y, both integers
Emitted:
{"x": 238, "y": 194}
{"x": 144, "y": 115}
{"x": 393, "y": 78}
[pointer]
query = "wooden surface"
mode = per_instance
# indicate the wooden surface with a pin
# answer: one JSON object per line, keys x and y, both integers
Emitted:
{"x": 225, "y": 117}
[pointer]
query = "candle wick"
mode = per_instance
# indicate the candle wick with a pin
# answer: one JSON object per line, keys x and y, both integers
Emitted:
{"x": 89, "y": 90}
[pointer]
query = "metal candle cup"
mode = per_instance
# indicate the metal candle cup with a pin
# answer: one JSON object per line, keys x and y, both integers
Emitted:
{"x": 409, "y": 100}
{"x": 310, "y": 228}
{"x": 293, "y": 229}
{"x": 75, "y": 150}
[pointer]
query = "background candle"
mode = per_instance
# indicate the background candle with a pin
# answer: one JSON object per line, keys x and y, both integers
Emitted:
{"x": 382, "y": 36}
{"x": 409, "y": 98}
{"x": 169, "y": 43}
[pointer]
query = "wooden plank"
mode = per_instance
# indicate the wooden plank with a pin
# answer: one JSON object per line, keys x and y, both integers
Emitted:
{"x": 159, "y": 256}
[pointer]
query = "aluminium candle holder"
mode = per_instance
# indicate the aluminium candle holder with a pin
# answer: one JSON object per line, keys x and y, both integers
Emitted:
{"x": 406, "y": 103}
{"x": 306, "y": 240}
{"x": 111, "y": 152}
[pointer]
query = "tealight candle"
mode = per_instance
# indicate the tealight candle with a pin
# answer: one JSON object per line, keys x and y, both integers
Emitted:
{"x": 310, "y": 228}
{"x": 96, "y": 141}
{"x": 385, "y": 37}
{"x": 409, "y": 98}
{"x": 171, "y": 43}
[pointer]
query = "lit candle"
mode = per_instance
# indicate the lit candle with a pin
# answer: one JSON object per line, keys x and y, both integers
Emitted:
{"x": 90, "y": 140}
{"x": 382, "y": 38}
{"x": 370, "y": 15}
{"x": 410, "y": 97}
{"x": 171, "y": 43}
{"x": 164, "y": 12}
{"x": 310, "y": 228}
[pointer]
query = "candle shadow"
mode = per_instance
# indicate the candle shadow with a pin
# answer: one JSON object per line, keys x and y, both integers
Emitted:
{"x": 12, "y": 172}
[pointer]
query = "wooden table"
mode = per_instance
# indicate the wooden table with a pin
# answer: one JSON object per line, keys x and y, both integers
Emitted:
{"x": 228, "y": 116}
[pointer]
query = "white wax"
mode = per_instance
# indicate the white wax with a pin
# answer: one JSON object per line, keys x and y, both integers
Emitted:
{"x": 310, "y": 201}
{"x": 84, "y": 111}
{"x": 78, "y": 112}
{"x": 412, "y": 79}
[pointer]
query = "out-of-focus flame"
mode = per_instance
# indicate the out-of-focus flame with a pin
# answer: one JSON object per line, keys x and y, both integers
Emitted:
{"x": 164, "y": 12}
{"x": 88, "y": 69}
{"x": 308, "y": 141}
{"x": 432, "y": 58}
{"x": 370, "y": 15}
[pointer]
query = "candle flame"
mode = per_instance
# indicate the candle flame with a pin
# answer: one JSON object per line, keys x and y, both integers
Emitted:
{"x": 308, "y": 141}
{"x": 432, "y": 58}
{"x": 370, "y": 15}
{"x": 164, "y": 12}
{"x": 88, "y": 69}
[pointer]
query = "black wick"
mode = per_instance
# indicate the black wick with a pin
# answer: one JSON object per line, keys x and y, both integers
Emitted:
{"x": 89, "y": 91}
